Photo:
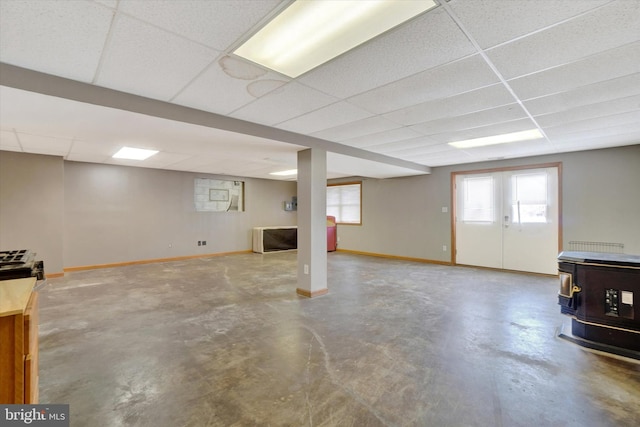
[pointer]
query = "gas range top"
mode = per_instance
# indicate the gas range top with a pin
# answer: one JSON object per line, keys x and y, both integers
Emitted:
{"x": 20, "y": 263}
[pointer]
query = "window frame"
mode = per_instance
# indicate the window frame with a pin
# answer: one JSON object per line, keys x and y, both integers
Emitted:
{"x": 342, "y": 184}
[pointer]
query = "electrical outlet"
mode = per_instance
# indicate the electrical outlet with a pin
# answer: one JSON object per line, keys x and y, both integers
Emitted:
{"x": 306, "y": 269}
{"x": 170, "y": 245}
{"x": 199, "y": 243}
{"x": 444, "y": 248}
{"x": 204, "y": 243}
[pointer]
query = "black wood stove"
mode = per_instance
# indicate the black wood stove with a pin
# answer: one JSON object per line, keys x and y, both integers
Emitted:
{"x": 601, "y": 293}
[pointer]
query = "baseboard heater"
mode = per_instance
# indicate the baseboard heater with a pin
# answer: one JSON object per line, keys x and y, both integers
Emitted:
{"x": 275, "y": 239}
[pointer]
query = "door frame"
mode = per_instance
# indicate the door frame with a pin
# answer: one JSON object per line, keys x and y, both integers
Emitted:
{"x": 454, "y": 175}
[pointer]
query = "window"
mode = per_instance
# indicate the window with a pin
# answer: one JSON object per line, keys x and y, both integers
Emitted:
{"x": 343, "y": 202}
{"x": 529, "y": 200}
{"x": 478, "y": 199}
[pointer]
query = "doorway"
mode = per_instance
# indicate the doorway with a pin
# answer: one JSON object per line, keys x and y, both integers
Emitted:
{"x": 508, "y": 218}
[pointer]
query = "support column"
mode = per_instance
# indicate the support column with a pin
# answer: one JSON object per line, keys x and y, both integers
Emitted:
{"x": 312, "y": 222}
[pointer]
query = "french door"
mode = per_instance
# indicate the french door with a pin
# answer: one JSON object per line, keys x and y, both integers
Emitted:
{"x": 508, "y": 219}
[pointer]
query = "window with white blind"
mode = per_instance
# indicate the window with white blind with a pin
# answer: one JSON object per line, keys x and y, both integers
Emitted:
{"x": 478, "y": 199}
{"x": 344, "y": 202}
{"x": 529, "y": 198}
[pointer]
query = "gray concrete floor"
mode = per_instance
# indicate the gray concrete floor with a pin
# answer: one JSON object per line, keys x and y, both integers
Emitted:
{"x": 226, "y": 341}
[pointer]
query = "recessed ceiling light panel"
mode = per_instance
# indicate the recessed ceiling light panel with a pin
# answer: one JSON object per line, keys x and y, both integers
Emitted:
{"x": 525, "y": 135}
{"x": 134, "y": 153}
{"x": 285, "y": 173}
{"x": 309, "y": 33}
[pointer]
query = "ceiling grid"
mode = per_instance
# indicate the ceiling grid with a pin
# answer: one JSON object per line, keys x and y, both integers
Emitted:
{"x": 161, "y": 74}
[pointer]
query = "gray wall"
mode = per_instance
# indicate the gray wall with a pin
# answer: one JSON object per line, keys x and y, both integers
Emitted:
{"x": 403, "y": 216}
{"x": 31, "y": 206}
{"x": 118, "y": 214}
{"x": 77, "y": 214}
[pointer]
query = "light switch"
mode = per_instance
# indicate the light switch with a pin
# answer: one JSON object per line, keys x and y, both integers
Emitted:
{"x": 445, "y": 209}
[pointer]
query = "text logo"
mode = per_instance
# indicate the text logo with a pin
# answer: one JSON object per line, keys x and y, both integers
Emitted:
{"x": 55, "y": 415}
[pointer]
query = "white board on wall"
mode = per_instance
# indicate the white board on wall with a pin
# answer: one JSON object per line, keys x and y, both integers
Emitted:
{"x": 215, "y": 195}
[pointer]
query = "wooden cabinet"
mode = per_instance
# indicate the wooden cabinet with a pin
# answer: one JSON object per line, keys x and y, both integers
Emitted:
{"x": 18, "y": 341}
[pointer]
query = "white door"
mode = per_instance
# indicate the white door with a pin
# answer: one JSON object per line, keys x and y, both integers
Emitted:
{"x": 508, "y": 220}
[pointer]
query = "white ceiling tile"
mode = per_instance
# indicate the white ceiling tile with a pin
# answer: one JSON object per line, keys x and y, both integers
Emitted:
{"x": 591, "y": 111}
{"x": 147, "y": 61}
{"x": 480, "y": 132}
{"x": 64, "y": 38}
{"x": 433, "y": 152}
{"x": 584, "y": 90}
{"x": 587, "y": 142}
{"x": 216, "y": 24}
{"x": 496, "y": 21}
{"x": 446, "y": 80}
{"x": 222, "y": 89}
{"x": 620, "y": 87}
{"x": 351, "y": 166}
{"x": 477, "y": 100}
{"x": 9, "y": 141}
{"x": 232, "y": 166}
{"x": 477, "y": 119}
{"x": 410, "y": 146}
{"x": 164, "y": 159}
{"x": 200, "y": 162}
{"x": 368, "y": 126}
{"x": 40, "y": 144}
{"x": 326, "y": 117}
{"x": 41, "y": 114}
{"x": 427, "y": 41}
{"x": 605, "y": 28}
{"x": 443, "y": 158}
{"x": 608, "y": 65}
{"x": 594, "y": 125}
{"x": 88, "y": 157}
{"x": 101, "y": 149}
{"x": 384, "y": 137}
{"x": 247, "y": 166}
{"x": 289, "y": 101}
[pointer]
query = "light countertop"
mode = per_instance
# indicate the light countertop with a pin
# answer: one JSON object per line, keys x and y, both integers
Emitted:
{"x": 14, "y": 295}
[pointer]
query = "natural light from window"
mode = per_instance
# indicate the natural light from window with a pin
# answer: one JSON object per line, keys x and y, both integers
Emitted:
{"x": 478, "y": 199}
{"x": 343, "y": 202}
{"x": 529, "y": 198}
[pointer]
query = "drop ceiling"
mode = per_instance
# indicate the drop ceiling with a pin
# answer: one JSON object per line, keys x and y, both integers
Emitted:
{"x": 466, "y": 69}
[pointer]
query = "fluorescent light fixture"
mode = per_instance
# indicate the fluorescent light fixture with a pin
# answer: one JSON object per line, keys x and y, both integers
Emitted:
{"x": 285, "y": 173}
{"x": 525, "y": 135}
{"x": 134, "y": 153}
{"x": 309, "y": 33}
